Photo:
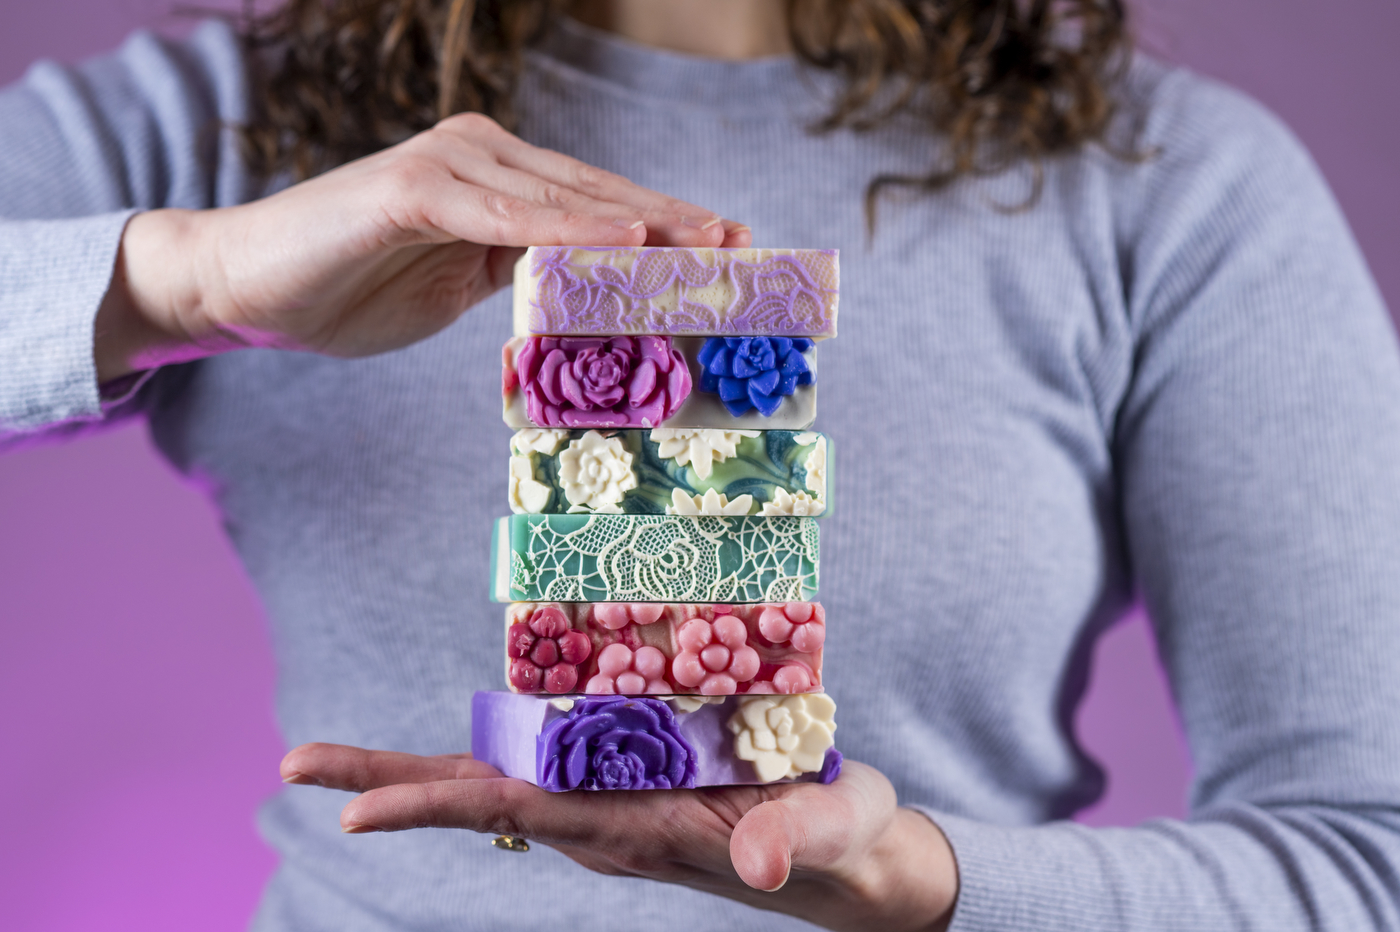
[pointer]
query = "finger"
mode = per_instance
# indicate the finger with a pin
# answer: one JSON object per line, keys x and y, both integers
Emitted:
{"x": 736, "y": 235}
{"x": 480, "y": 215}
{"x": 695, "y": 227}
{"x": 478, "y": 165}
{"x": 810, "y": 827}
{"x": 670, "y": 221}
{"x": 342, "y": 767}
{"x": 504, "y": 806}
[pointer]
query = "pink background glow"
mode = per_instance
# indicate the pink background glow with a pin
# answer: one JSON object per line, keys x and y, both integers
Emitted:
{"x": 136, "y": 677}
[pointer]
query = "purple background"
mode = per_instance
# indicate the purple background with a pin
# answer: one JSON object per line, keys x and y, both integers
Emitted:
{"x": 136, "y": 677}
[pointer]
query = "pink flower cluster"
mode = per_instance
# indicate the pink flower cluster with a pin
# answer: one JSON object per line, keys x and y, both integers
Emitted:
{"x": 627, "y": 667}
{"x": 715, "y": 656}
{"x": 640, "y": 648}
{"x": 595, "y": 382}
{"x": 545, "y": 652}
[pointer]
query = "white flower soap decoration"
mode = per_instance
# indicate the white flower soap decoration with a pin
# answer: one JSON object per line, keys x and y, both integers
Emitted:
{"x": 784, "y": 736}
{"x": 538, "y": 440}
{"x": 700, "y": 448}
{"x": 711, "y": 503}
{"x": 596, "y": 472}
{"x": 527, "y": 495}
{"x": 815, "y": 464}
{"x": 800, "y": 504}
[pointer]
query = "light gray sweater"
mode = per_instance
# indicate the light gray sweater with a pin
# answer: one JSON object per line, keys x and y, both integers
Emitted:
{"x": 1172, "y": 378}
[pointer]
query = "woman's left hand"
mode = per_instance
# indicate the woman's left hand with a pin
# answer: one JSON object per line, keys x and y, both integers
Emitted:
{"x": 842, "y": 856}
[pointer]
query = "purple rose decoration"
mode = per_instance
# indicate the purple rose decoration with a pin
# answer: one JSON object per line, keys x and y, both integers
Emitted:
{"x": 596, "y": 382}
{"x": 615, "y": 743}
{"x": 753, "y": 372}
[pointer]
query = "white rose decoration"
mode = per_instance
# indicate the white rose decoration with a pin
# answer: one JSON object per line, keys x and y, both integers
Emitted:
{"x": 711, "y": 503}
{"x": 700, "y": 448}
{"x": 800, "y": 504}
{"x": 784, "y": 736}
{"x": 596, "y": 471}
{"x": 527, "y": 496}
{"x": 538, "y": 440}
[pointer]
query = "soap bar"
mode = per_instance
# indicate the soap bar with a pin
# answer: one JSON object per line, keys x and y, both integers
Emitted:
{"x": 651, "y": 743}
{"x": 732, "y": 383}
{"x": 575, "y": 290}
{"x": 637, "y": 648}
{"x": 653, "y": 558}
{"x": 669, "y": 471}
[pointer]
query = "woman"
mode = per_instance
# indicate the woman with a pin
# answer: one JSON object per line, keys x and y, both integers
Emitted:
{"x": 1153, "y": 364}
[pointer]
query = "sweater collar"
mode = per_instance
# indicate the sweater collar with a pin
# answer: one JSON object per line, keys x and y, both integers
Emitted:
{"x": 777, "y": 83}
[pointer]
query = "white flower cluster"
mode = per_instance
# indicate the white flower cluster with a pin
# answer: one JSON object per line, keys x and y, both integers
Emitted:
{"x": 784, "y": 736}
{"x": 800, "y": 503}
{"x": 711, "y": 503}
{"x": 528, "y": 495}
{"x": 700, "y": 448}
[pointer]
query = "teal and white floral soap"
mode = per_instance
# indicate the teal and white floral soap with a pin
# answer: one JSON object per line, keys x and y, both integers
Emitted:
{"x": 670, "y": 471}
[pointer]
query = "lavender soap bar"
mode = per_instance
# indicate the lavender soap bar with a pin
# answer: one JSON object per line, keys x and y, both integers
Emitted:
{"x": 649, "y": 381}
{"x": 651, "y": 743}
{"x": 581, "y": 291}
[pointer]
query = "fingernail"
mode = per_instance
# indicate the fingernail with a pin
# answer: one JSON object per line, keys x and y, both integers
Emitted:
{"x": 627, "y": 224}
{"x": 300, "y": 779}
{"x": 779, "y": 886}
{"x": 355, "y": 828}
{"x": 698, "y": 223}
{"x": 739, "y": 228}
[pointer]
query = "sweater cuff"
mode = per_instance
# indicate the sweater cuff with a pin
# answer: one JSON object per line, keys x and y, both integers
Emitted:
{"x": 53, "y": 277}
{"x": 1046, "y": 878}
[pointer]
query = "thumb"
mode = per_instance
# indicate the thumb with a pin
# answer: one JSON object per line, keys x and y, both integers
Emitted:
{"x": 807, "y": 829}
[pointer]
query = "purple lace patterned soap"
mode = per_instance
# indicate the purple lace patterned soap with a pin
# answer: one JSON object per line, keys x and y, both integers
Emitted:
{"x": 578, "y": 290}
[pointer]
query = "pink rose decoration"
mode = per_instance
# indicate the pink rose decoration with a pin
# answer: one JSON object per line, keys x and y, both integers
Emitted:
{"x": 715, "y": 656}
{"x": 629, "y": 673}
{"x": 545, "y": 652}
{"x": 595, "y": 382}
{"x": 802, "y": 623}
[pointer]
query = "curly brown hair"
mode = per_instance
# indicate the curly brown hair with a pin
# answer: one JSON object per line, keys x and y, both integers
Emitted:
{"x": 999, "y": 81}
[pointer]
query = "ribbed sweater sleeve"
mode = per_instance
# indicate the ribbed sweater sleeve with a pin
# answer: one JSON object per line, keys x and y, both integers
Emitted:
{"x": 81, "y": 149}
{"x": 1258, "y": 449}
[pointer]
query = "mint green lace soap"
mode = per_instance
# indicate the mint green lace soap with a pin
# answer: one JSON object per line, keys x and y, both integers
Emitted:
{"x": 653, "y": 558}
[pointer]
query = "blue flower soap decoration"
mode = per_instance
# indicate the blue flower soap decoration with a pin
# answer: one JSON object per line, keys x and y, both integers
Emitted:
{"x": 753, "y": 372}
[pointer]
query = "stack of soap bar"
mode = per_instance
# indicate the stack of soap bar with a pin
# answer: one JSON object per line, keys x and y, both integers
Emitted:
{"x": 662, "y": 557}
{"x": 637, "y": 648}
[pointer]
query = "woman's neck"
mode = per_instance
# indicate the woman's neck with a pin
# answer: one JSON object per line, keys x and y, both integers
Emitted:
{"x": 729, "y": 29}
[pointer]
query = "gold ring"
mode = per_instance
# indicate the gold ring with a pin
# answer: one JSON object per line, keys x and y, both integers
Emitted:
{"x": 510, "y": 843}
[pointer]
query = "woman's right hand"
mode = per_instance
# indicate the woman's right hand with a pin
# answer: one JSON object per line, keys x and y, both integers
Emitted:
{"x": 374, "y": 255}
